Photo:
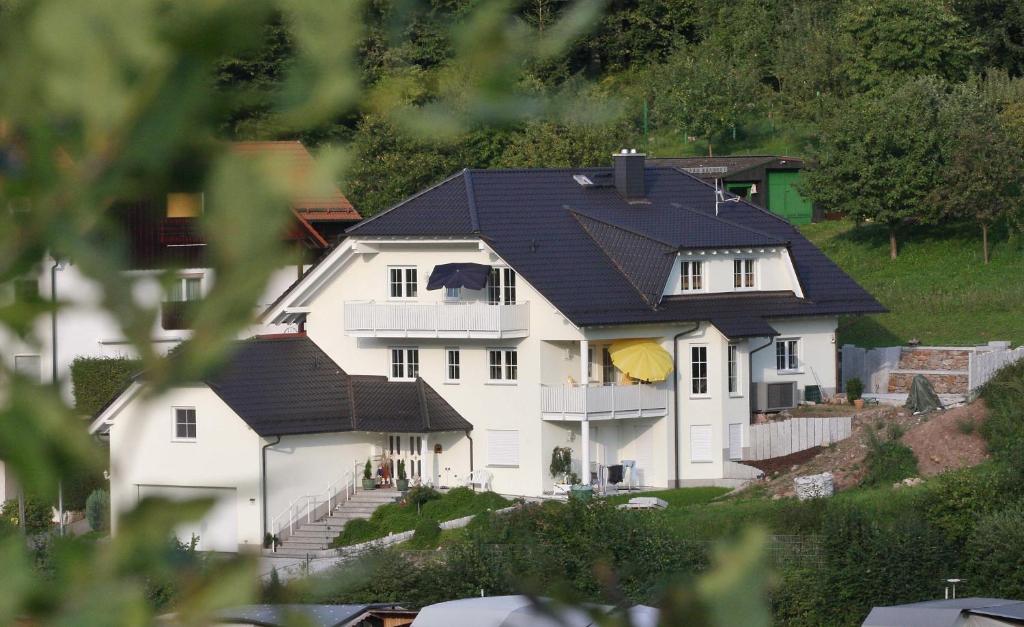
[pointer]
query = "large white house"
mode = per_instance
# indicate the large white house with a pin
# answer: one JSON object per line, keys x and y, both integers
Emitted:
{"x": 161, "y": 235}
{"x": 508, "y": 294}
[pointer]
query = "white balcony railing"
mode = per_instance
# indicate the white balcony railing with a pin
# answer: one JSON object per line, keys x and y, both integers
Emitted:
{"x": 596, "y": 402}
{"x": 438, "y": 319}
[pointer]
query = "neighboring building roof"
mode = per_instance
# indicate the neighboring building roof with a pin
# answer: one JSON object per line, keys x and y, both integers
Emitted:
{"x": 327, "y": 204}
{"x": 287, "y": 385}
{"x": 297, "y": 613}
{"x": 600, "y": 259}
{"x": 946, "y": 612}
{"x": 727, "y": 167}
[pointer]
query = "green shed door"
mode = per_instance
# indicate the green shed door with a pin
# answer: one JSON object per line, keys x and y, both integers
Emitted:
{"x": 784, "y": 200}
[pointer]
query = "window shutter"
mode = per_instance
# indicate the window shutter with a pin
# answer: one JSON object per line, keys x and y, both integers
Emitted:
{"x": 502, "y": 448}
{"x": 700, "y": 443}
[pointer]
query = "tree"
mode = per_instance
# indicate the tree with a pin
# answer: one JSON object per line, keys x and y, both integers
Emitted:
{"x": 998, "y": 25}
{"x": 895, "y": 39}
{"x": 703, "y": 91}
{"x": 880, "y": 156}
{"x": 984, "y": 163}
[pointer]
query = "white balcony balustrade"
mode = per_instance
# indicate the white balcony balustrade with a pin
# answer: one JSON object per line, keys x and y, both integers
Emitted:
{"x": 603, "y": 402}
{"x": 437, "y": 319}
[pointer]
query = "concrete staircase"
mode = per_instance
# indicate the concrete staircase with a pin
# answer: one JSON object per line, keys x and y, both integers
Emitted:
{"x": 317, "y": 536}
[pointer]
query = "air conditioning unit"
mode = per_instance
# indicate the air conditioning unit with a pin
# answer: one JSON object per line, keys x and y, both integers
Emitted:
{"x": 774, "y": 396}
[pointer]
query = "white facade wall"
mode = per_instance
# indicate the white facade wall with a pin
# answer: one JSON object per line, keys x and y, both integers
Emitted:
{"x": 817, "y": 354}
{"x": 225, "y": 454}
{"x": 489, "y": 406}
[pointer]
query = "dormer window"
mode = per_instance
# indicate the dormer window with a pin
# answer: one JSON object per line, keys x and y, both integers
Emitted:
{"x": 691, "y": 276}
{"x": 743, "y": 274}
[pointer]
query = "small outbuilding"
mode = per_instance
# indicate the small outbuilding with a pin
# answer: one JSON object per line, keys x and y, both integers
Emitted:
{"x": 965, "y": 612}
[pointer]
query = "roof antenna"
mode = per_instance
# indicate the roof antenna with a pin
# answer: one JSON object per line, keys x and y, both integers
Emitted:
{"x": 720, "y": 196}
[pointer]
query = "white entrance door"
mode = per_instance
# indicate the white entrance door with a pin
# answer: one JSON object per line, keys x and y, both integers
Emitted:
{"x": 408, "y": 448}
{"x": 736, "y": 441}
{"x": 217, "y": 530}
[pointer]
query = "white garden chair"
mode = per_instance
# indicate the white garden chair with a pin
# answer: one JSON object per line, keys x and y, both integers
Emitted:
{"x": 479, "y": 480}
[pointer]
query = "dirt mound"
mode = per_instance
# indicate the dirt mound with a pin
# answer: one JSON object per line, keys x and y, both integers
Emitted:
{"x": 941, "y": 440}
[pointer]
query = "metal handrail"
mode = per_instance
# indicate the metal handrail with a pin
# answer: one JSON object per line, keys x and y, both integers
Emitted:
{"x": 306, "y": 504}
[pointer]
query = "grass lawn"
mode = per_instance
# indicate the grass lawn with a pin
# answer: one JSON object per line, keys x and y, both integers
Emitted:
{"x": 403, "y": 516}
{"x": 682, "y": 497}
{"x": 938, "y": 290}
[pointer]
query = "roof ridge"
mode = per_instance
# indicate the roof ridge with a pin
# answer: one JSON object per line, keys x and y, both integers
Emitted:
{"x": 405, "y": 200}
{"x": 474, "y": 219}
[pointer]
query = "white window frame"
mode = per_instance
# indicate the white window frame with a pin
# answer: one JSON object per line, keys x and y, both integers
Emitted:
{"x": 687, "y": 276}
{"x": 174, "y": 423}
{"x": 735, "y": 377}
{"x": 510, "y": 438}
{"x": 452, "y": 294}
{"x": 793, "y": 350}
{"x": 182, "y": 282}
{"x": 590, "y": 364}
{"x": 452, "y": 367}
{"x": 508, "y": 372}
{"x": 406, "y": 284}
{"x": 707, "y": 372}
{"x": 408, "y": 371}
{"x": 743, "y": 275}
{"x": 501, "y": 286}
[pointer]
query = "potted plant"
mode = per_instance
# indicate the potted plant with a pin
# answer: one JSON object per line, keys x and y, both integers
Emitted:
{"x": 581, "y": 491}
{"x": 402, "y": 483}
{"x": 855, "y": 392}
{"x": 368, "y": 482}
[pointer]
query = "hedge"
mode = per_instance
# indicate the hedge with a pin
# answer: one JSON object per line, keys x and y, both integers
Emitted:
{"x": 97, "y": 380}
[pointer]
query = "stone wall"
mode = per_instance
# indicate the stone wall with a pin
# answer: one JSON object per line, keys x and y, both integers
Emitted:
{"x": 927, "y": 358}
{"x": 944, "y": 383}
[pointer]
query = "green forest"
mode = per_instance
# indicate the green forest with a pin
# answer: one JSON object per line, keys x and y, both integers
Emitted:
{"x": 889, "y": 100}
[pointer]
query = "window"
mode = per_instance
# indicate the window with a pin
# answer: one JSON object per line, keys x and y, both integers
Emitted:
{"x": 502, "y": 448}
{"x": 607, "y": 367}
{"x": 734, "y": 370}
{"x": 184, "y": 205}
{"x": 501, "y": 286}
{"x": 590, "y": 364}
{"x": 743, "y": 274}
{"x": 186, "y": 289}
{"x": 691, "y": 276}
{"x": 405, "y": 363}
{"x": 787, "y": 355}
{"x": 184, "y": 423}
{"x": 453, "y": 364}
{"x": 402, "y": 282}
{"x": 700, "y": 443}
{"x": 698, "y": 370}
{"x": 503, "y": 364}
{"x": 452, "y": 293}
{"x": 29, "y": 366}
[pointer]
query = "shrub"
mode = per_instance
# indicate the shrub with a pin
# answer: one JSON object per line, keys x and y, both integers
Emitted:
{"x": 1004, "y": 428}
{"x": 427, "y": 533}
{"x": 561, "y": 462}
{"x": 97, "y": 510}
{"x": 888, "y": 461}
{"x": 994, "y": 555}
{"x": 420, "y": 494}
{"x": 401, "y": 470}
{"x": 38, "y": 514}
{"x": 854, "y": 389}
{"x": 97, "y": 380}
{"x": 367, "y": 470}
{"x": 955, "y": 501}
{"x": 80, "y": 483}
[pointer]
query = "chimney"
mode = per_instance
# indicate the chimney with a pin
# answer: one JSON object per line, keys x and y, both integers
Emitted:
{"x": 629, "y": 173}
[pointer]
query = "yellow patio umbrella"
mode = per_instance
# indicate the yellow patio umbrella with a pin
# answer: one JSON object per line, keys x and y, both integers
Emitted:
{"x": 641, "y": 359}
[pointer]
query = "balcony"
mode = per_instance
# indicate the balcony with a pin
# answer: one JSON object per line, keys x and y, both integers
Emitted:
{"x": 438, "y": 319}
{"x": 603, "y": 402}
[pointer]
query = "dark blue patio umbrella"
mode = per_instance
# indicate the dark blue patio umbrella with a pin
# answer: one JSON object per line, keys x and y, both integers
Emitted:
{"x": 472, "y": 276}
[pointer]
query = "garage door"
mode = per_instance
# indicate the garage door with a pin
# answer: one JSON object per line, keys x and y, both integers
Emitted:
{"x": 218, "y": 530}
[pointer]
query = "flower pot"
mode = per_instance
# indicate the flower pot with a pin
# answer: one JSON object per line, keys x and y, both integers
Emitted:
{"x": 369, "y": 484}
{"x": 859, "y": 403}
{"x": 582, "y": 492}
{"x": 402, "y": 484}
